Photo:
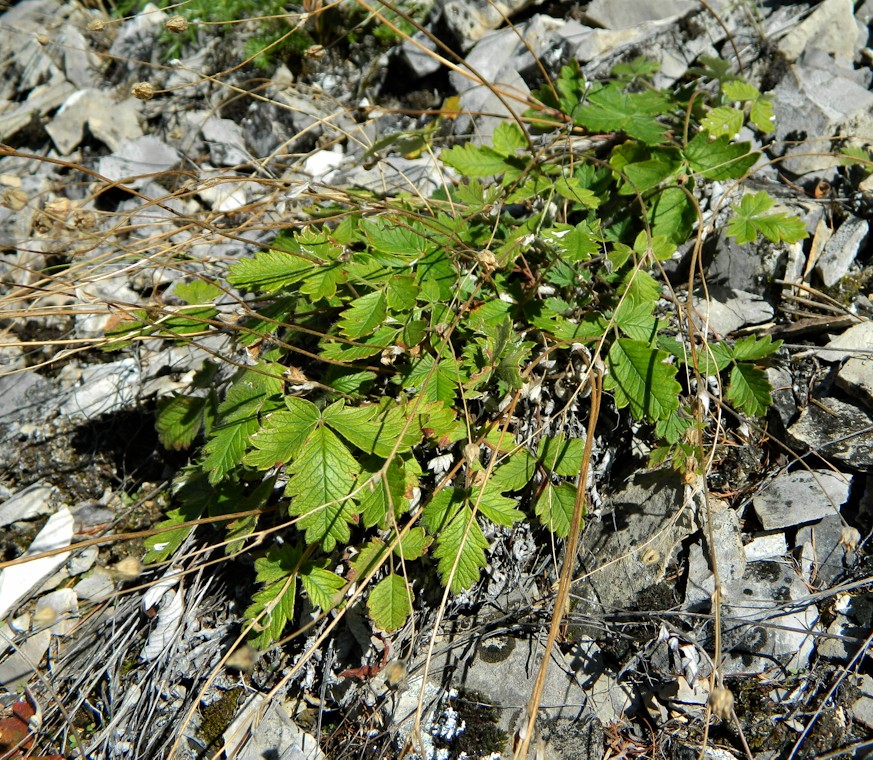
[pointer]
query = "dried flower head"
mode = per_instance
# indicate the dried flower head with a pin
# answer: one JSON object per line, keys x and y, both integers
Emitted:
{"x": 721, "y": 701}
{"x": 128, "y": 568}
{"x": 177, "y": 24}
{"x": 850, "y": 538}
{"x": 96, "y": 25}
{"x": 143, "y": 90}
{"x": 13, "y": 198}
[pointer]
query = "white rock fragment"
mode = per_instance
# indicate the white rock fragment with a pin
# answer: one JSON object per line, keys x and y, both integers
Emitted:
{"x": 18, "y": 581}
{"x": 26, "y": 504}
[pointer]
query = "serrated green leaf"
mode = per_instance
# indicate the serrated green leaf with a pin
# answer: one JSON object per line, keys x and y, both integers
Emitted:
{"x": 282, "y": 434}
{"x": 749, "y": 390}
{"x": 516, "y": 472}
{"x": 373, "y": 428}
{"x": 673, "y": 428}
{"x": 672, "y": 214}
{"x": 434, "y": 380}
{"x": 720, "y": 159}
{"x": 390, "y": 603}
{"x": 644, "y": 175}
{"x": 322, "y": 585}
{"x": 439, "y": 423}
{"x": 751, "y": 348}
{"x": 179, "y": 419}
{"x": 351, "y": 383}
{"x": 763, "y": 116}
{"x": 237, "y": 420}
{"x": 639, "y": 287}
{"x": 370, "y": 556}
{"x": 342, "y": 351}
{"x": 197, "y": 292}
{"x": 413, "y": 545}
{"x": 636, "y": 321}
{"x": 508, "y": 138}
{"x": 401, "y": 292}
{"x": 639, "y": 378}
{"x": 751, "y": 219}
{"x": 268, "y": 271}
{"x": 441, "y": 509}
{"x": 659, "y": 246}
{"x": 383, "y": 495}
{"x": 364, "y": 315}
{"x": 713, "y": 358}
{"x": 740, "y": 90}
{"x": 561, "y": 455}
{"x": 161, "y": 546}
{"x": 277, "y": 571}
{"x": 473, "y": 161}
{"x": 321, "y": 478}
{"x": 555, "y": 508}
{"x": 404, "y": 242}
{"x": 498, "y": 508}
{"x": 723, "y": 121}
{"x": 573, "y": 190}
{"x": 461, "y": 551}
{"x": 611, "y": 110}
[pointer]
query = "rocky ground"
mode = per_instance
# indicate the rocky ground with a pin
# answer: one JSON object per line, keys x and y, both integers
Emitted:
{"x": 109, "y": 198}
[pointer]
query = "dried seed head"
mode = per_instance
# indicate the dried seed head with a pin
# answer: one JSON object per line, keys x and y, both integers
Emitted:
{"x": 471, "y": 453}
{"x": 13, "y": 198}
{"x": 128, "y": 568}
{"x": 243, "y": 659}
{"x": 314, "y": 51}
{"x": 487, "y": 260}
{"x": 177, "y": 24}
{"x": 96, "y": 25}
{"x": 721, "y": 701}
{"x": 143, "y": 90}
{"x": 850, "y": 538}
{"x": 59, "y": 208}
{"x": 395, "y": 675}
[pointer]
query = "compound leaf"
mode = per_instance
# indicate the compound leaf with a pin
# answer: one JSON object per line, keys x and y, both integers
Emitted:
{"x": 461, "y": 551}
{"x": 364, "y": 315}
{"x": 276, "y": 600}
{"x": 751, "y": 219}
{"x": 496, "y": 507}
{"x": 282, "y": 434}
{"x": 322, "y": 585}
{"x": 561, "y": 455}
{"x": 555, "y": 508}
{"x": 749, "y": 390}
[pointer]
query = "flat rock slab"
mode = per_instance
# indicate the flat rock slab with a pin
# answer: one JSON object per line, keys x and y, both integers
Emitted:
{"x": 840, "y": 431}
{"x": 754, "y": 635}
{"x": 727, "y": 309}
{"x": 637, "y": 538}
{"x": 800, "y": 497}
{"x": 612, "y": 15}
{"x": 852, "y": 342}
{"x": 856, "y": 378}
{"x": 841, "y": 250}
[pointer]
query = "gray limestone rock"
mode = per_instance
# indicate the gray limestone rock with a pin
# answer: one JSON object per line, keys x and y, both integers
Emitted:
{"x": 471, "y": 20}
{"x": 110, "y": 122}
{"x": 26, "y": 504}
{"x": 101, "y": 389}
{"x": 812, "y": 106}
{"x": 226, "y": 142}
{"x": 634, "y": 542}
{"x": 830, "y": 27}
{"x": 794, "y": 498}
{"x": 611, "y": 15}
{"x": 821, "y": 548}
{"x": 856, "y": 378}
{"x": 784, "y": 404}
{"x": 755, "y": 628}
{"x": 856, "y": 341}
{"x": 138, "y": 162}
{"x": 841, "y": 431}
{"x": 728, "y": 309}
{"x": 840, "y": 251}
{"x": 261, "y": 731}
{"x": 862, "y": 708}
{"x": 766, "y": 546}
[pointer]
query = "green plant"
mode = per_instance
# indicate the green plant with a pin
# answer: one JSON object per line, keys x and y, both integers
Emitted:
{"x": 392, "y": 341}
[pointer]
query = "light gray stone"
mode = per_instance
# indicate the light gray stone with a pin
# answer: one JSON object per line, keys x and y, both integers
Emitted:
{"x": 470, "y": 20}
{"x": 102, "y": 389}
{"x": 261, "y": 731}
{"x": 800, "y": 497}
{"x": 766, "y": 546}
{"x": 635, "y": 541}
{"x": 727, "y": 541}
{"x": 856, "y": 341}
{"x": 17, "y": 669}
{"x": 98, "y": 586}
{"x": 612, "y": 15}
{"x": 856, "y": 378}
{"x": 40, "y": 100}
{"x": 226, "y": 142}
{"x": 700, "y": 584}
{"x": 820, "y": 543}
{"x": 26, "y": 504}
{"x": 727, "y": 309}
{"x": 138, "y": 162}
{"x": 812, "y": 105}
{"x": 841, "y": 250}
{"x": 110, "y": 122}
{"x": 753, "y": 631}
{"x": 421, "y": 53}
{"x": 830, "y": 28}
{"x": 841, "y": 431}
{"x": 784, "y": 404}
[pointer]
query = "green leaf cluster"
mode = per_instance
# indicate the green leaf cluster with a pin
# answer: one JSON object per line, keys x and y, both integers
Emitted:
{"x": 383, "y": 346}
